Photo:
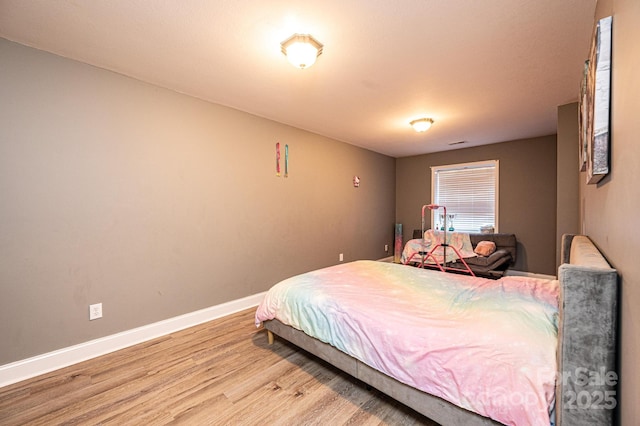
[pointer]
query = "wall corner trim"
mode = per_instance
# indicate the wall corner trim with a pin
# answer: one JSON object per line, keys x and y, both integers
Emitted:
{"x": 40, "y": 364}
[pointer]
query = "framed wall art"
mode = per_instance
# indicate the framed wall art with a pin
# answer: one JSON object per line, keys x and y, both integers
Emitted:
{"x": 595, "y": 105}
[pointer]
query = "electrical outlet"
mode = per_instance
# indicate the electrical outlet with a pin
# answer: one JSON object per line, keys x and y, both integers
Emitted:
{"x": 95, "y": 311}
{"x": 341, "y": 257}
{"x": 386, "y": 248}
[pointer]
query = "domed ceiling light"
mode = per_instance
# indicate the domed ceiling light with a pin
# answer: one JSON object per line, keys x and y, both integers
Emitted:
{"x": 421, "y": 124}
{"x": 301, "y": 50}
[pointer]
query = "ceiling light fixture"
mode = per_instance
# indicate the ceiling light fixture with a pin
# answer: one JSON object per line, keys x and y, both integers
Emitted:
{"x": 421, "y": 124}
{"x": 301, "y": 50}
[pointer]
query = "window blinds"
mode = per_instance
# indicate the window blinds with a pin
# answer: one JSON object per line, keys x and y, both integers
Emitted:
{"x": 469, "y": 191}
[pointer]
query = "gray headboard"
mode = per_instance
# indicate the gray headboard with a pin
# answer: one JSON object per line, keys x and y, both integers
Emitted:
{"x": 586, "y": 386}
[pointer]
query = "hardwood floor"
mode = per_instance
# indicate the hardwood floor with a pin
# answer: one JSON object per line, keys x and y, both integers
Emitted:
{"x": 219, "y": 373}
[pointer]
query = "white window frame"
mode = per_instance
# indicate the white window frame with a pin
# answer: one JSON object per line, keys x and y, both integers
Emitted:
{"x": 462, "y": 166}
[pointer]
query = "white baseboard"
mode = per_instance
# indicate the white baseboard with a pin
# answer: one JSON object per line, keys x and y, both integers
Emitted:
{"x": 40, "y": 364}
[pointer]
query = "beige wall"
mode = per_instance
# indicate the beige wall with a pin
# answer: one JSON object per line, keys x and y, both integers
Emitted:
{"x": 568, "y": 185}
{"x": 527, "y": 194}
{"x": 610, "y": 209}
{"x": 157, "y": 204}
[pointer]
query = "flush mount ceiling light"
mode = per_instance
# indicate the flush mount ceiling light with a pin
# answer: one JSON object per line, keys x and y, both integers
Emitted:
{"x": 421, "y": 124}
{"x": 301, "y": 50}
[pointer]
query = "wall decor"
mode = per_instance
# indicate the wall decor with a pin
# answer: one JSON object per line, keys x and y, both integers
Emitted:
{"x": 582, "y": 115}
{"x": 278, "y": 159}
{"x": 286, "y": 160}
{"x": 356, "y": 181}
{"x": 596, "y": 103}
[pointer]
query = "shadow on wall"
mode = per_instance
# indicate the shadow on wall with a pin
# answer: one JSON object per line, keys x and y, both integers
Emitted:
{"x": 522, "y": 260}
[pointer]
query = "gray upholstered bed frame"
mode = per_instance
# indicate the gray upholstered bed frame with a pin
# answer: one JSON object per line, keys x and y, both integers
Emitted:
{"x": 586, "y": 349}
{"x": 586, "y": 389}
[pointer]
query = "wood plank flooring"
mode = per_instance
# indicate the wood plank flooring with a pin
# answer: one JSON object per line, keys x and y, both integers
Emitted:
{"x": 219, "y": 373}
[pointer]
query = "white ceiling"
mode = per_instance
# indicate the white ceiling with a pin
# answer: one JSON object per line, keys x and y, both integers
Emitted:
{"x": 485, "y": 70}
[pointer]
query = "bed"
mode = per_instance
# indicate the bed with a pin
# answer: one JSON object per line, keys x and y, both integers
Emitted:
{"x": 461, "y": 350}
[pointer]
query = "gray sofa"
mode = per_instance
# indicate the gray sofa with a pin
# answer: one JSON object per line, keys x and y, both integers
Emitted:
{"x": 492, "y": 266}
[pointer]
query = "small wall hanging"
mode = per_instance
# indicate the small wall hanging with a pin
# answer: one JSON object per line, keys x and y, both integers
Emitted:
{"x": 356, "y": 181}
{"x": 286, "y": 160}
{"x": 278, "y": 159}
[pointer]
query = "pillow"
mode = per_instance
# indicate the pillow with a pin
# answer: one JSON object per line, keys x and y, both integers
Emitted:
{"x": 485, "y": 248}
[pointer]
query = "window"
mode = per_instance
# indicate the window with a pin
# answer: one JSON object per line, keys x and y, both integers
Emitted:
{"x": 469, "y": 191}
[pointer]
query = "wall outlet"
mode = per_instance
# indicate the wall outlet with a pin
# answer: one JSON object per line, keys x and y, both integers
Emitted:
{"x": 341, "y": 257}
{"x": 386, "y": 248}
{"x": 95, "y": 311}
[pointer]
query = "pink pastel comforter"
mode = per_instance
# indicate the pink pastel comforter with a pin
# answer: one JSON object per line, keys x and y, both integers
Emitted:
{"x": 488, "y": 346}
